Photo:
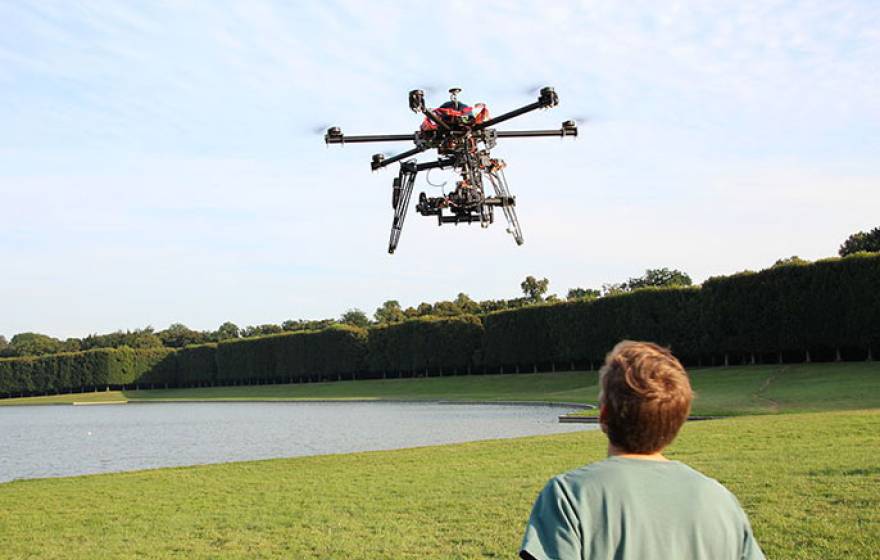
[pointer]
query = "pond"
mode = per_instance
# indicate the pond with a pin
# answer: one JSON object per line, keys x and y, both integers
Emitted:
{"x": 51, "y": 441}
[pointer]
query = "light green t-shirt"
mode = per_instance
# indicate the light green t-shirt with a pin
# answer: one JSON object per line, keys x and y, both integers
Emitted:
{"x": 636, "y": 509}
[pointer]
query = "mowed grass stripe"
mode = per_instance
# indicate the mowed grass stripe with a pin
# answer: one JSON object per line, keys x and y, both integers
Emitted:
{"x": 720, "y": 391}
{"x": 810, "y": 483}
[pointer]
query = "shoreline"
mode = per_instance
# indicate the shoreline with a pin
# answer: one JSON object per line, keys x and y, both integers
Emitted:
{"x": 552, "y": 404}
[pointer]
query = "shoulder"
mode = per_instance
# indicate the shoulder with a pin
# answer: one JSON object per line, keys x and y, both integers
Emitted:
{"x": 591, "y": 480}
{"x": 711, "y": 488}
{"x": 583, "y": 476}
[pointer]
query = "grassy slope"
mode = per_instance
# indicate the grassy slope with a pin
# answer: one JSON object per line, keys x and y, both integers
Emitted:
{"x": 810, "y": 484}
{"x": 723, "y": 391}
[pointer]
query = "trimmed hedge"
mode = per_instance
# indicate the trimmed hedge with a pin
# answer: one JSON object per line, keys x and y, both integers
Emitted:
{"x": 196, "y": 364}
{"x": 90, "y": 369}
{"x": 821, "y": 311}
{"x": 830, "y": 309}
{"x": 581, "y": 332}
{"x": 335, "y": 351}
{"x": 445, "y": 345}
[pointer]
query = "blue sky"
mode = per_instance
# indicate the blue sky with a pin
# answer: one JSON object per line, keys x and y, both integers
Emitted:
{"x": 158, "y": 162}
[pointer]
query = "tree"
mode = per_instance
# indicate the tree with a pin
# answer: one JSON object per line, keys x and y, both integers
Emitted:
{"x": 317, "y": 325}
{"x": 178, "y": 335}
{"x": 355, "y": 317}
{"x": 138, "y": 338}
{"x": 411, "y": 312}
{"x": 260, "y": 330}
{"x": 659, "y": 278}
{"x": 424, "y": 309}
{"x": 446, "y": 309}
{"x": 582, "y": 293}
{"x": 143, "y": 338}
{"x": 794, "y": 259}
{"x": 390, "y": 312}
{"x": 466, "y": 304}
{"x": 227, "y": 331}
{"x": 34, "y": 344}
{"x": 73, "y": 345}
{"x": 490, "y": 305}
{"x": 534, "y": 289}
{"x": 861, "y": 241}
{"x": 614, "y": 289}
{"x": 293, "y": 325}
{"x": 4, "y": 346}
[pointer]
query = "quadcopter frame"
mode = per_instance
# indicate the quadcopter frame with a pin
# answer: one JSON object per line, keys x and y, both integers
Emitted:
{"x": 457, "y": 146}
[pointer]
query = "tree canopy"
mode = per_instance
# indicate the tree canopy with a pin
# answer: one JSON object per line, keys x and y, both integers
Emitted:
{"x": 33, "y": 344}
{"x": 582, "y": 293}
{"x": 389, "y": 312}
{"x": 227, "y": 331}
{"x": 792, "y": 260}
{"x": 861, "y": 241}
{"x": 178, "y": 335}
{"x": 355, "y": 317}
{"x": 534, "y": 289}
{"x": 660, "y": 278}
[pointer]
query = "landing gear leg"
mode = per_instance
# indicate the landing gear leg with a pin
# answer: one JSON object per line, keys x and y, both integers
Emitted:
{"x": 499, "y": 183}
{"x": 401, "y": 193}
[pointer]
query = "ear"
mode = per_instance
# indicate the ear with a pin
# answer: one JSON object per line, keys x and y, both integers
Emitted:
{"x": 602, "y": 417}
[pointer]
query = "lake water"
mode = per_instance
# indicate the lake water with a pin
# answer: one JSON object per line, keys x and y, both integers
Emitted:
{"x": 50, "y": 441}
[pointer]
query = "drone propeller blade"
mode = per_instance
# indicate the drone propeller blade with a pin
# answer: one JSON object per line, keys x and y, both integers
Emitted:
{"x": 533, "y": 89}
{"x": 432, "y": 89}
{"x": 319, "y": 129}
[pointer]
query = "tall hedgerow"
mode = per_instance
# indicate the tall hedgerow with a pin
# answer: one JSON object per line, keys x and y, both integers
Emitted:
{"x": 196, "y": 364}
{"x": 444, "y": 345}
{"x": 337, "y": 350}
{"x": 829, "y": 309}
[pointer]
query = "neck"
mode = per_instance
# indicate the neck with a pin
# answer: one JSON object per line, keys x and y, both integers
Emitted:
{"x": 614, "y": 451}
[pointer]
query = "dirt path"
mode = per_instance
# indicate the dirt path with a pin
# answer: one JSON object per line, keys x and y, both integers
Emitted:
{"x": 758, "y": 394}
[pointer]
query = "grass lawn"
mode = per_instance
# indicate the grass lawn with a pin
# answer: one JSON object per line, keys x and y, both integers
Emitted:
{"x": 810, "y": 483}
{"x": 720, "y": 391}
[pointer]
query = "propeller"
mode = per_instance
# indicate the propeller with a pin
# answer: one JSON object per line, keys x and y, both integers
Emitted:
{"x": 533, "y": 89}
{"x": 433, "y": 89}
{"x": 319, "y": 129}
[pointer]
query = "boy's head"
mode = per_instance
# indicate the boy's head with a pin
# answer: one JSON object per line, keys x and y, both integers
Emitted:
{"x": 645, "y": 397}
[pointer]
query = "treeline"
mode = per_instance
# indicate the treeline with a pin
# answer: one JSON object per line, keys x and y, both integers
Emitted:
{"x": 534, "y": 292}
{"x": 178, "y": 335}
{"x": 828, "y": 310}
{"x": 303, "y": 356}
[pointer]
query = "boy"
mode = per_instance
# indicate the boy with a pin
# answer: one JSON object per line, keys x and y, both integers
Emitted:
{"x": 637, "y": 504}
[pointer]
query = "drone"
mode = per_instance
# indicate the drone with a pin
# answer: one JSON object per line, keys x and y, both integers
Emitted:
{"x": 463, "y": 137}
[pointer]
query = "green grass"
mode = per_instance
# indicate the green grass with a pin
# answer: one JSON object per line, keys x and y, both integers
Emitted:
{"x": 809, "y": 482}
{"x": 100, "y": 396}
{"x": 720, "y": 391}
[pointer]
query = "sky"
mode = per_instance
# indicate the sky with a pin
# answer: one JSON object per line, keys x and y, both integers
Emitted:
{"x": 159, "y": 161}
